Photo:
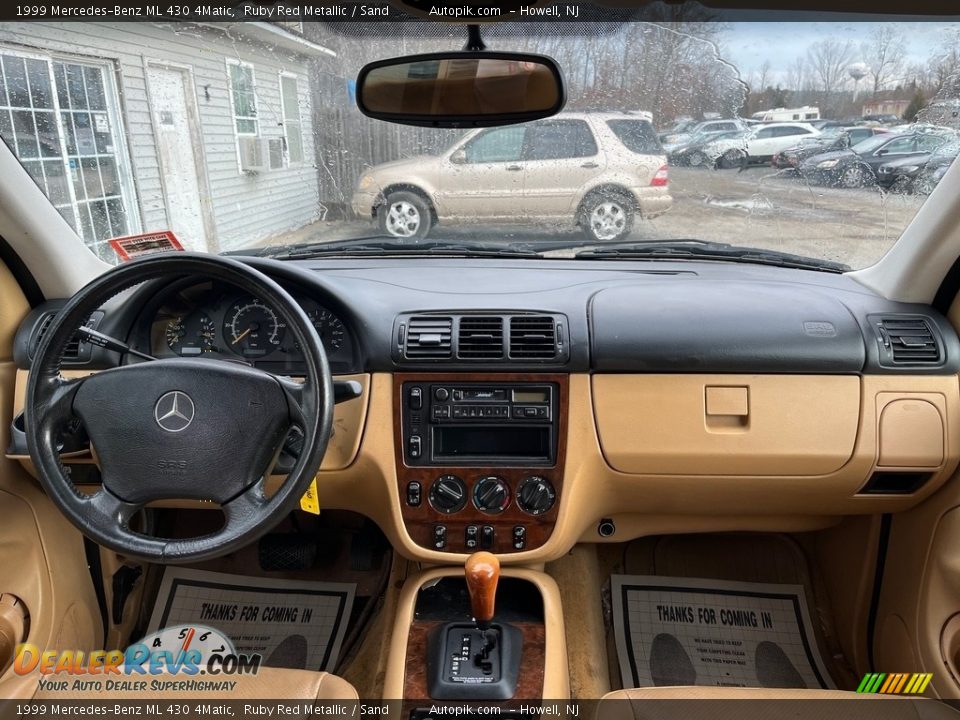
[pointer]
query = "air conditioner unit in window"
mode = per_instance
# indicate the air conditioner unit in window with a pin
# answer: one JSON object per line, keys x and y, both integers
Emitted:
{"x": 260, "y": 154}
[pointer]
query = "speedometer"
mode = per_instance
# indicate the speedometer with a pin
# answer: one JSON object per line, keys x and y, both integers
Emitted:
{"x": 253, "y": 329}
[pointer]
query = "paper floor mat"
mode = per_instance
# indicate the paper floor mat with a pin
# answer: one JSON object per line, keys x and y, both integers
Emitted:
{"x": 289, "y": 623}
{"x": 688, "y": 631}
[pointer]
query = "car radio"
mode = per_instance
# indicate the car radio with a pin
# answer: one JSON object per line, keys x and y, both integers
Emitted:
{"x": 486, "y": 424}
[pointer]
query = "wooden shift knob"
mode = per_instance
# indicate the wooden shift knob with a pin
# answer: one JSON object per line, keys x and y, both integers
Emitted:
{"x": 482, "y": 571}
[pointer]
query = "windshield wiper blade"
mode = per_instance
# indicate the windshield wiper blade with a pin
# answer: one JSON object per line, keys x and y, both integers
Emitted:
{"x": 375, "y": 247}
{"x": 700, "y": 250}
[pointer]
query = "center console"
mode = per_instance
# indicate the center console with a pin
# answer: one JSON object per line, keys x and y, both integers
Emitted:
{"x": 480, "y": 459}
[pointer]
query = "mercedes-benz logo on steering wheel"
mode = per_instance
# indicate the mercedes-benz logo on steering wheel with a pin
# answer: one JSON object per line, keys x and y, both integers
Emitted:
{"x": 174, "y": 411}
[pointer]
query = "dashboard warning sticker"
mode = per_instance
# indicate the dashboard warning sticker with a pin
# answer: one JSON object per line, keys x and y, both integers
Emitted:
{"x": 133, "y": 246}
{"x": 687, "y": 631}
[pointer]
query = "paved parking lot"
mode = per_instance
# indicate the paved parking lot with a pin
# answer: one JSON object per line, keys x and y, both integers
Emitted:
{"x": 759, "y": 207}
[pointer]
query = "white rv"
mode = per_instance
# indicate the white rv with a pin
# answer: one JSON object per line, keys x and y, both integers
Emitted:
{"x": 803, "y": 114}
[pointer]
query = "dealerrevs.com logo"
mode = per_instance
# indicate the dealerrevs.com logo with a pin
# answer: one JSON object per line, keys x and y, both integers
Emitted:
{"x": 186, "y": 651}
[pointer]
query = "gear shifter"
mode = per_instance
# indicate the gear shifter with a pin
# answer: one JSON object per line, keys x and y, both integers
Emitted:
{"x": 481, "y": 659}
{"x": 482, "y": 571}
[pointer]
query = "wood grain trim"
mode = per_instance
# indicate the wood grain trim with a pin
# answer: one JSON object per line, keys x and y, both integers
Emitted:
{"x": 420, "y": 521}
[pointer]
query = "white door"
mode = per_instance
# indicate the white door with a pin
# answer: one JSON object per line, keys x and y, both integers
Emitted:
{"x": 178, "y": 160}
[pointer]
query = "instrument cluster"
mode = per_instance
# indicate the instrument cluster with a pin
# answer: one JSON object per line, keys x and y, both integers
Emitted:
{"x": 213, "y": 320}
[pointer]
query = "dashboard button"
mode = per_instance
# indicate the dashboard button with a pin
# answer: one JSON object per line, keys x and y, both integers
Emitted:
{"x": 486, "y": 537}
{"x": 416, "y": 397}
{"x": 471, "y": 537}
{"x": 414, "y": 446}
{"x": 441, "y": 394}
{"x": 414, "y": 494}
{"x": 519, "y": 537}
{"x": 439, "y": 537}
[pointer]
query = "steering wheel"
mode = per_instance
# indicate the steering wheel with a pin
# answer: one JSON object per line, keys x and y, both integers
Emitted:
{"x": 191, "y": 428}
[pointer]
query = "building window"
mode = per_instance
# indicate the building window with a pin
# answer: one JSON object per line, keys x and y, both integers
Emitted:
{"x": 60, "y": 120}
{"x": 244, "y": 98}
{"x": 292, "y": 125}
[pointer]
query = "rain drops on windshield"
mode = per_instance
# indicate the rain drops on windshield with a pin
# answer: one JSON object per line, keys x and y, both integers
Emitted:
{"x": 820, "y": 139}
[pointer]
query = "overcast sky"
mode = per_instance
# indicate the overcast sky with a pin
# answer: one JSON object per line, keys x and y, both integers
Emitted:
{"x": 747, "y": 43}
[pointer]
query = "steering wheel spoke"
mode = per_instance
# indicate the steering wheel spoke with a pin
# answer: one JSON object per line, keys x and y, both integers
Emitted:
{"x": 245, "y": 506}
{"x": 110, "y": 509}
{"x": 294, "y": 392}
{"x": 57, "y": 407}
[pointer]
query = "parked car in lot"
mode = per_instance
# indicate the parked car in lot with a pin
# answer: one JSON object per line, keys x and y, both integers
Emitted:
{"x": 701, "y": 130}
{"x": 709, "y": 150}
{"x": 857, "y": 166}
{"x": 680, "y": 125}
{"x": 920, "y": 175}
{"x": 595, "y": 170}
{"x": 833, "y": 138}
{"x": 882, "y": 118}
{"x": 767, "y": 140}
{"x": 822, "y": 124}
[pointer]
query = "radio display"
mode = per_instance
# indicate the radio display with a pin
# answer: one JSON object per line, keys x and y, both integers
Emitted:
{"x": 529, "y": 443}
{"x": 531, "y": 396}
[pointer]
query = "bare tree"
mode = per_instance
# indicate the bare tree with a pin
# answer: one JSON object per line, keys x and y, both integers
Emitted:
{"x": 944, "y": 65}
{"x": 829, "y": 59}
{"x": 883, "y": 54}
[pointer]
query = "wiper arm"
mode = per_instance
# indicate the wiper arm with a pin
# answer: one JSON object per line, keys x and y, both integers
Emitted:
{"x": 365, "y": 247}
{"x": 697, "y": 250}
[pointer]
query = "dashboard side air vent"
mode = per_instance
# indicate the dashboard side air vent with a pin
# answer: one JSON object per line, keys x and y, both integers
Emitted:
{"x": 480, "y": 337}
{"x": 429, "y": 337}
{"x": 533, "y": 337}
{"x": 908, "y": 340}
{"x": 75, "y": 352}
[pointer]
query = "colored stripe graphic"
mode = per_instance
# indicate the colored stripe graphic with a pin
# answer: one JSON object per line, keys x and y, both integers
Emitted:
{"x": 895, "y": 683}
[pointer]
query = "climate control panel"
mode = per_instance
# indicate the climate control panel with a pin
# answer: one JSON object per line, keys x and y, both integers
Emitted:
{"x": 507, "y": 504}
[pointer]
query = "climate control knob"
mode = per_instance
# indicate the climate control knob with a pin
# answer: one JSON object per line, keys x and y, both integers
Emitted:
{"x": 536, "y": 495}
{"x": 491, "y": 495}
{"x": 448, "y": 494}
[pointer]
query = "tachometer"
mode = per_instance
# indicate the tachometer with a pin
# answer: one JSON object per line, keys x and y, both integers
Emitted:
{"x": 252, "y": 329}
{"x": 329, "y": 328}
{"x": 191, "y": 335}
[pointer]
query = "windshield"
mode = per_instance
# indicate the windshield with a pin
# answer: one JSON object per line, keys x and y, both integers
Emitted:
{"x": 871, "y": 144}
{"x": 245, "y": 135}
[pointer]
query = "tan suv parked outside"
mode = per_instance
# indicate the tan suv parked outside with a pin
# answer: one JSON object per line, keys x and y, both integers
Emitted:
{"x": 598, "y": 170}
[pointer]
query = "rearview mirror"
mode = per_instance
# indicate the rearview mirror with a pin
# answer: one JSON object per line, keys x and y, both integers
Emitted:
{"x": 461, "y": 89}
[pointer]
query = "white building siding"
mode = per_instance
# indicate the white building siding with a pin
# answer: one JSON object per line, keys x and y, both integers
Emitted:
{"x": 244, "y": 207}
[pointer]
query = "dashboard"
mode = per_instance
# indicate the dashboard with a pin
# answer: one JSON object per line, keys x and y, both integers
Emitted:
{"x": 524, "y": 406}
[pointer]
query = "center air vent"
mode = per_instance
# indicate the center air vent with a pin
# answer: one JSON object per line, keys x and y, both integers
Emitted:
{"x": 533, "y": 337}
{"x": 908, "y": 340}
{"x": 488, "y": 337}
{"x": 429, "y": 338}
{"x": 480, "y": 338}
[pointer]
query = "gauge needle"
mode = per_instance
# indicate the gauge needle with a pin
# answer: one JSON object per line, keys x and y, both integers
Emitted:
{"x": 242, "y": 335}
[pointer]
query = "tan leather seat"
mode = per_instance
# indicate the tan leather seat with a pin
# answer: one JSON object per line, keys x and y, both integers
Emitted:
{"x": 267, "y": 684}
{"x": 683, "y": 703}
